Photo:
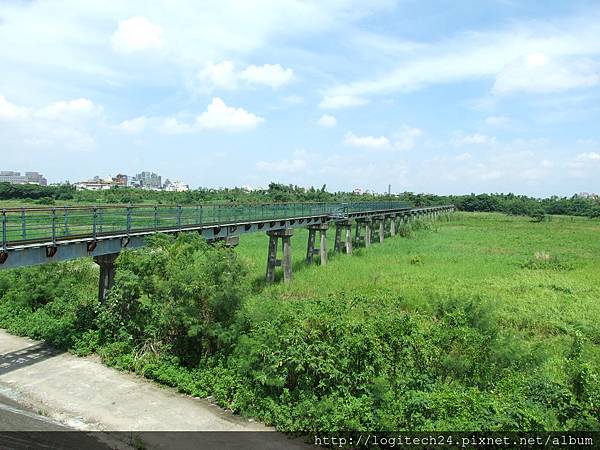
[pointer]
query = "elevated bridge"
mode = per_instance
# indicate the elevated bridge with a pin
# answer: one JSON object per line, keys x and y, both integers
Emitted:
{"x": 32, "y": 236}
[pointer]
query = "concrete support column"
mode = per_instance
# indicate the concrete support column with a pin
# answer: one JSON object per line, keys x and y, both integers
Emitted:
{"x": 107, "y": 274}
{"x": 368, "y": 232}
{"x": 381, "y": 230}
{"x": 349, "y": 239}
{"x": 393, "y": 226}
{"x": 322, "y": 250}
{"x": 310, "y": 248}
{"x": 337, "y": 246}
{"x": 357, "y": 233}
{"x": 323, "y": 247}
{"x": 285, "y": 236}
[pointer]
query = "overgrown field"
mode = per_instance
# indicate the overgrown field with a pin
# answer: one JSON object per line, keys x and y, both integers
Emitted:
{"x": 483, "y": 322}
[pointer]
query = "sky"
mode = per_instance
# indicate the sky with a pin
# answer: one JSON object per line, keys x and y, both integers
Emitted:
{"x": 445, "y": 97}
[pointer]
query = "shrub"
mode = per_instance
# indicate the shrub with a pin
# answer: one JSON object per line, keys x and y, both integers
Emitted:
{"x": 405, "y": 230}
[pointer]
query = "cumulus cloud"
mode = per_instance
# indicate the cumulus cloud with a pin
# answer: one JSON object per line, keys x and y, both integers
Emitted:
{"x": 63, "y": 124}
{"x": 137, "y": 34}
{"x": 220, "y": 75}
{"x": 369, "y": 142}
{"x": 133, "y": 126}
{"x": 171, "y": 125}
{"x": 327, "y": 121}
{"x": 590, "y": 156}
{"x": 70, "y": 109}
{"x": 272, "y": 75}
{"x": 10, "y": 111}
{"x": 341, "y": 101}
{"x": 219, "y": 116}
{"x": 225, "y": 75}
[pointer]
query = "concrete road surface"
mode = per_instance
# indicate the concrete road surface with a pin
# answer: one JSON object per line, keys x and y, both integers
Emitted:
{"x": 83, "y": 394}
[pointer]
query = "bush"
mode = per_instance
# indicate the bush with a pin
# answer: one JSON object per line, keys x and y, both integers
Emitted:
{"x": 176, "y": 297}
{"x": 405, "y": 230}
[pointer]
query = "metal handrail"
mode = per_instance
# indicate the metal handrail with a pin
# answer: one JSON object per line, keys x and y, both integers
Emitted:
{"x": 22, "y": 225}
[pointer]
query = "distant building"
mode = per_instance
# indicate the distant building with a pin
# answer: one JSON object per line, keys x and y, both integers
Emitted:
{"x": 8, "y": 176}
{"x": 247, "y": 188}
{"x": 175, "y": 186}
{"x": 95, "y": 184}
{"x": 121, "y": 180}
{"x": 147, "y": 180}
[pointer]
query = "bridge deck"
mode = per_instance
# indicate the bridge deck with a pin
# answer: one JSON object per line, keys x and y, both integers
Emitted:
{"x": 37, "y": 235}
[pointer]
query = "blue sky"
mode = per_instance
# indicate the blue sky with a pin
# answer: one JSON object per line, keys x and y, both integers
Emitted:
{"x": 438, "y": 96}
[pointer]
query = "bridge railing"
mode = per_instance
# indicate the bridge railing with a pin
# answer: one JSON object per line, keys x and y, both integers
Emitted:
{"x": 53, "y": 224}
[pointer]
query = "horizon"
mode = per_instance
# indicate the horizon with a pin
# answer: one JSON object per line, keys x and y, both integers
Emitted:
{"x": 349, "y": 94}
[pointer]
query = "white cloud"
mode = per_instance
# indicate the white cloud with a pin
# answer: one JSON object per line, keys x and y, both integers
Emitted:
{"x": 219, "y": 116}
{"x": 10, "y": 111}
{"x": 56, "y": 126}
{"x": 327, "y": 121}
{"x": 460, "y": 139}
{"x": 272, "y": 75}
{"x": 70, "y": 110}
{"x": 539, "y": 73}
{"x": 496, "y": 120}
{"x": 171, "y": 125}
{"x": 591, "y": 156}
{"x": 562, "y": 50}
{"x": 341, "y": 101}
{"x": 463, "y": 157}
{"x": 226, "y": 76}
{"x": 133, "y": 126}
{"x": 137, "y": 34}
{"x": 406, "y": 137}
{"x": 221, "y": 75}
{"x": 370, "y": 142}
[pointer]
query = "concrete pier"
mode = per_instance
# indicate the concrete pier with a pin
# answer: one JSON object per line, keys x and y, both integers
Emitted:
{"x": 393, "y": 220}
{"x": 107, "y": 274}
{"x": 285, "y": 235}
{"x": 311, "y": 251}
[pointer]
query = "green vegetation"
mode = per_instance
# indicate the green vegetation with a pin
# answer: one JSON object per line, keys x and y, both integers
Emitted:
{"x": 28, "y": 195}
{"x": 481, "y": 322}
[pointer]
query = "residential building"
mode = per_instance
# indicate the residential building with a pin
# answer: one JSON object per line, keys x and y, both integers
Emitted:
{"x": 175, "y": 186}
{"x": 121, "y": 180}
{"x": 147, "y": 180}
{"x": 95, "y": 184}
{"x": 8, "y": 176}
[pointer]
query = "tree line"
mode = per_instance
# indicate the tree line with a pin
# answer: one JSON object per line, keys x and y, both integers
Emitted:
{"x": 497, "y": 202}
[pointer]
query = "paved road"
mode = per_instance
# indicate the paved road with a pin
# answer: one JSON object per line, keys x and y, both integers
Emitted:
{"x": 83, "y": 394}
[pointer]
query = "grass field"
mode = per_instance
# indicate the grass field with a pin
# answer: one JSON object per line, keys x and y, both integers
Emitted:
{"x": 480, "y": 322}
{"x": 542, "y": 279}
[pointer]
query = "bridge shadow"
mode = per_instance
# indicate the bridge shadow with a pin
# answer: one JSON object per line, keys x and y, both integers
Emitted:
{"x": 26, "y": 357}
